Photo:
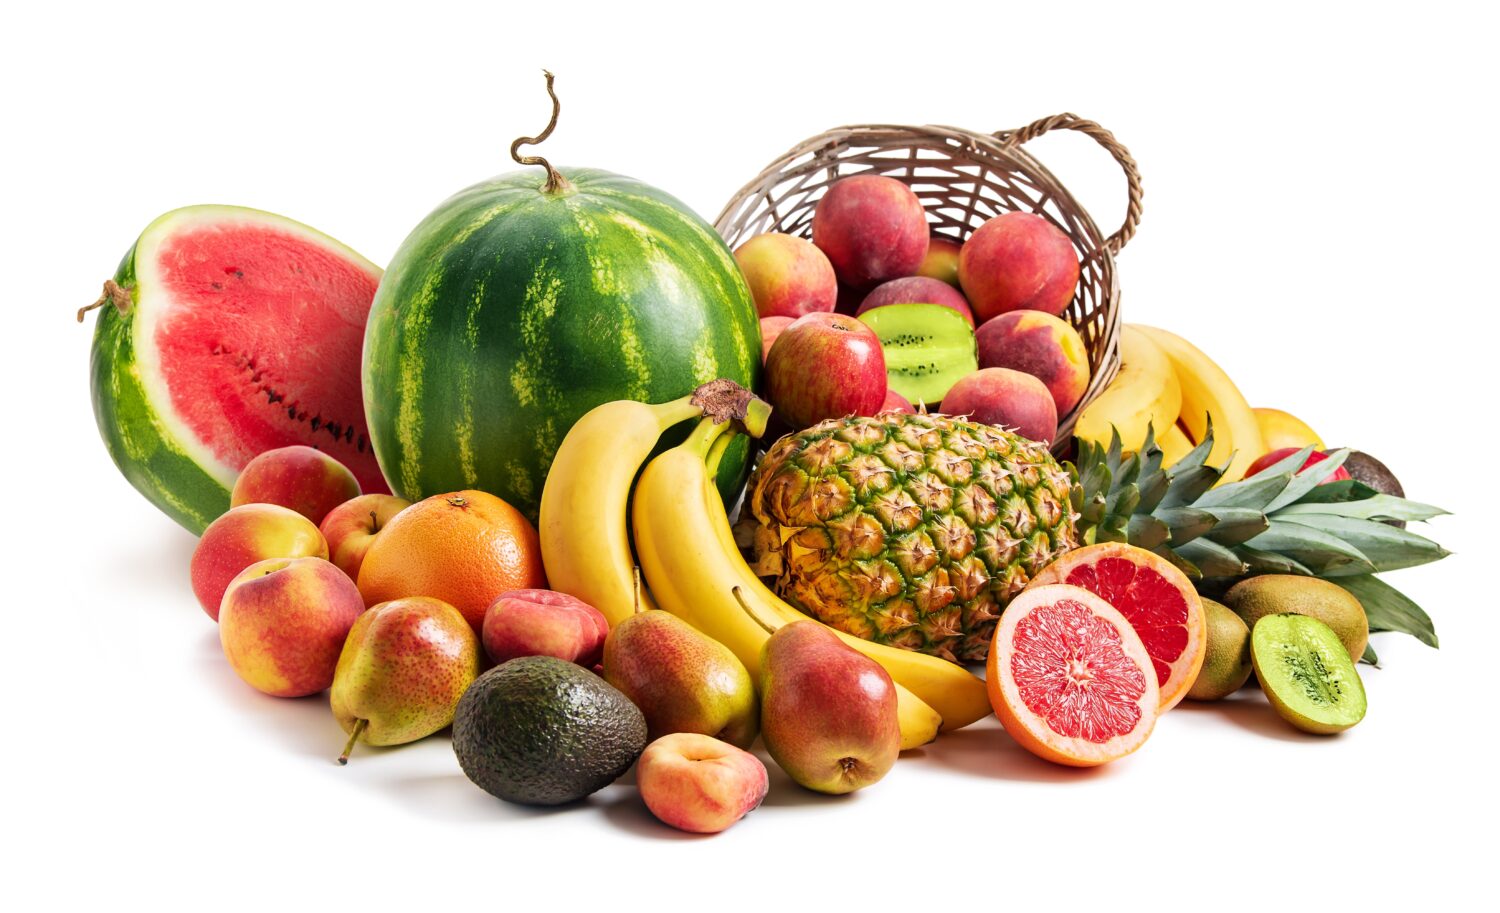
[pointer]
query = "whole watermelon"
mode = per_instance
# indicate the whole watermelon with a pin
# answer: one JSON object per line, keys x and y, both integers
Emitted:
{"x": 513, "y": 309}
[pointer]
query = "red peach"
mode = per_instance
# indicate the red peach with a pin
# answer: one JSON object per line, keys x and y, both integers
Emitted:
{"x": 1018, "y": 260}
{"x": 872, "y": 228}
{"x": 788, "y": 276}
{"x": 770, "y": 328}
{"x": 303, "y": 478}
{"x": 350, "y": 529}
{"x": 1041, "y": 345}
{"x": 243, "y": 536}
{"x": 1010, "y": 399}
{"x": 1317, "y": 456}
{"x": 942, "y": 260}
{"x": 699, "y": 784}
{"x": 544, "y": 623}
{"x": 916, "y": 290}
{"x": 284, "y": 621}
{"x": 895, "y": 402}
{"x": 825, "y": 366}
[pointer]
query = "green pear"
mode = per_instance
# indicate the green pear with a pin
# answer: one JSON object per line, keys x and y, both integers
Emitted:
{"x": 828, "y": 712}
{"x": 683, "y": 680}
{"x": 403, "y": 668}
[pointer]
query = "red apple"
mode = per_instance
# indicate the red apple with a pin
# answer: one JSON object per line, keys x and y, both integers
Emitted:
{"x": 351, "y": 528}
{"x": 872, "y": 228}
{"x": 788, "y": 276}
{"x": 1017, "y": 261}
{"x": 243, "y": 536}
{"x": 699, "y": 784}
{"x": 770, "y": 328}
{"x": 1317, "y": 456}
{"x": 302, "y": 478}
{"x": 916, "y": 290}
{"x": 825, "y": 366}
{"x": 544, "y": 623}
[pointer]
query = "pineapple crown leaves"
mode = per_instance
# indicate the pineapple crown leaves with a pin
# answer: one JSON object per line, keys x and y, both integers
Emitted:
{"x": 1281, "y": 520}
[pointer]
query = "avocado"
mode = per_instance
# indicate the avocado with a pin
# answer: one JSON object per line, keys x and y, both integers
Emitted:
{"x": 542, "y": 731}
{"x": 1365, "y": 468}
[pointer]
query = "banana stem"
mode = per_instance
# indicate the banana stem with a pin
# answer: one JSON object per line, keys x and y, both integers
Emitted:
{"x": 678, "y": 410}
{"x": 701, "y": 439}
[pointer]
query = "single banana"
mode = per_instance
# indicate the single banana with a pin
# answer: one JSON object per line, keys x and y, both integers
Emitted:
{"x": 1174, "y": 444}
{"x": 585, "y": 540}
{"x": 1146, "y": 393}
{"x": 687, "y": 553}
{"x": 1208, "y": 393}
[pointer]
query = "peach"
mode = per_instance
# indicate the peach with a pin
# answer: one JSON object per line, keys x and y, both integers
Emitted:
{"x": 788, "y": 276}
{"x": 942, "y": 260}
{"x": 872, "y": 228}
{"x": 1041, "y": 345}
{"x": 895, "y": 402}
{"x": 770, "y": 328}
{"x": 916, "y": 290}
{"x": 825, "y": 366}
{"x": 350, "y": 529}
{"x": 303, "y": 478}
{"x": 243, "y": 536}
{"x": 1280, "y": 429}
{"x": 1017, "y": 261}
{"x": 544, "y": 623}
{"x": 699, "y": 784}
{"x": 283, "y": 624}
{"x": 1001, "y": 396}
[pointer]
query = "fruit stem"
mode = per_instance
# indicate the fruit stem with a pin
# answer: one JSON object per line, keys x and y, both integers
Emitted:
{"x": 754, "y": 615}
{"x": 724, "y": 400}
{"x": 115, "y": 294}
{"x": 359, "y": 730}
{"x": 678, "y": 410}
{"x": 556, "y": 183}
{"x": 637, "y": 591}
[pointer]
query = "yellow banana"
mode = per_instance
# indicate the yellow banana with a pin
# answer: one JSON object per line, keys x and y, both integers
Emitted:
{"x": 585, "y": 540}
{"x": 1146, "y": 392}
{"x": 687, "y": 553}
{"x": 1208, "y": 392}
{"x": 1174, "y": 444}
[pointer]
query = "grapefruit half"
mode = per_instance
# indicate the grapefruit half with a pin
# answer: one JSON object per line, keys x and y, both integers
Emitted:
{"x": 1155, "y": 596}
{"x": 1069, "y": 678}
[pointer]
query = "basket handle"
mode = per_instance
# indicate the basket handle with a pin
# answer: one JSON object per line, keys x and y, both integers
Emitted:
{"x": 1103, "y": 137}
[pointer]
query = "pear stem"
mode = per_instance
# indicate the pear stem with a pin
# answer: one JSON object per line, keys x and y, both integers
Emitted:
{"x": 359, "y": 730}
{"x": 637, "y": 590}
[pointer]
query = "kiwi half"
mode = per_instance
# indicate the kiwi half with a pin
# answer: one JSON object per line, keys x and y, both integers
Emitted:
{"x": 927, "y": 348}
{"x": 1306, "y": 673}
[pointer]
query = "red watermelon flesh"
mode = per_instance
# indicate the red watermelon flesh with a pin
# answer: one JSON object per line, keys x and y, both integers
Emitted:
{"x": 262, "y": 346}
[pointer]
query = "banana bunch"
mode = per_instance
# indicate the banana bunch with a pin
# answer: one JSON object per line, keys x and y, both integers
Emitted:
{"x": 686, "y": 549}
{"x": 1164, "y": 380}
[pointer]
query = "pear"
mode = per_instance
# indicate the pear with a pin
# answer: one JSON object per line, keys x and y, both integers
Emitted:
{"x": 683, "y": 680}
{"x": 828, "y": 712}
{"x": 403, "y": 668}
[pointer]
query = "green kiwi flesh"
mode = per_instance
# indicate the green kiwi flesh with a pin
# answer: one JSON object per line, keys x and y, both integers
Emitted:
{"x": 927, "y": 348}
{"x": 1306, "y": 673}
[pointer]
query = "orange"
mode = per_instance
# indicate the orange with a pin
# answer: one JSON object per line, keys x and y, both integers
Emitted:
{"x": 464, "y": 547}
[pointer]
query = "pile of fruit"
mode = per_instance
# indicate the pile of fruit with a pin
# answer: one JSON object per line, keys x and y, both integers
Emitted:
{"x": 491, "y": 489}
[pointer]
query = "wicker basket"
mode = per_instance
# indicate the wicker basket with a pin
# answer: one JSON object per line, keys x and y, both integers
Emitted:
{"x": 962, "y": 178}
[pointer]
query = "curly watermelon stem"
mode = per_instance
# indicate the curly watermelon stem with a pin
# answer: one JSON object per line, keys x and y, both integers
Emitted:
{"x": 115, "y": 294}
{"x": 556, "y": 183}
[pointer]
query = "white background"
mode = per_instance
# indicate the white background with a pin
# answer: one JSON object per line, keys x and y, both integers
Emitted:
{"x": 1320, "y": 190}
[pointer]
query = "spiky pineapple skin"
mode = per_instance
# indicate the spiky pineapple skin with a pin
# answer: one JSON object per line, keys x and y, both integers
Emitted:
{"x": 909, "y": 530}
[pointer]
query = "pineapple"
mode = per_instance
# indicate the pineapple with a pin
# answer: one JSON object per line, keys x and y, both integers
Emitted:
{"x": 917, "y": 530}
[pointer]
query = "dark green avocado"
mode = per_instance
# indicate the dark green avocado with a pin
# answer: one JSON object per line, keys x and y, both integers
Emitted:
{"x": 541, "y": 731}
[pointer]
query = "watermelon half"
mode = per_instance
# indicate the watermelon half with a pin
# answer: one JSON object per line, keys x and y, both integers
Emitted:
{"x": 513, "y": 309}
{"x": 241, "y": 332}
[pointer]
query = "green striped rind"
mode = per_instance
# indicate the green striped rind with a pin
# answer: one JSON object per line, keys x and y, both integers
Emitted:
{"x": 508, "y": 313}
{"x": 145, "y": 451}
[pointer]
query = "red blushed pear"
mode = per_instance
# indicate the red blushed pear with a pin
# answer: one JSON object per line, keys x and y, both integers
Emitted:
{"x": 825, "y": 366}
{"x": 243, "y": 536}
{"x": 916, "y": 290}
{"x": 770, "y": 328}
{"x": 788, "y": 276}
{"x": 351, "y": 528}
{"x": 283, "y": 623}
{"x": 872, "y": 228}
{"x": 1017, "y": 261}
{"x": 302, "y": 478}
{"x": 941, "y": 262}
